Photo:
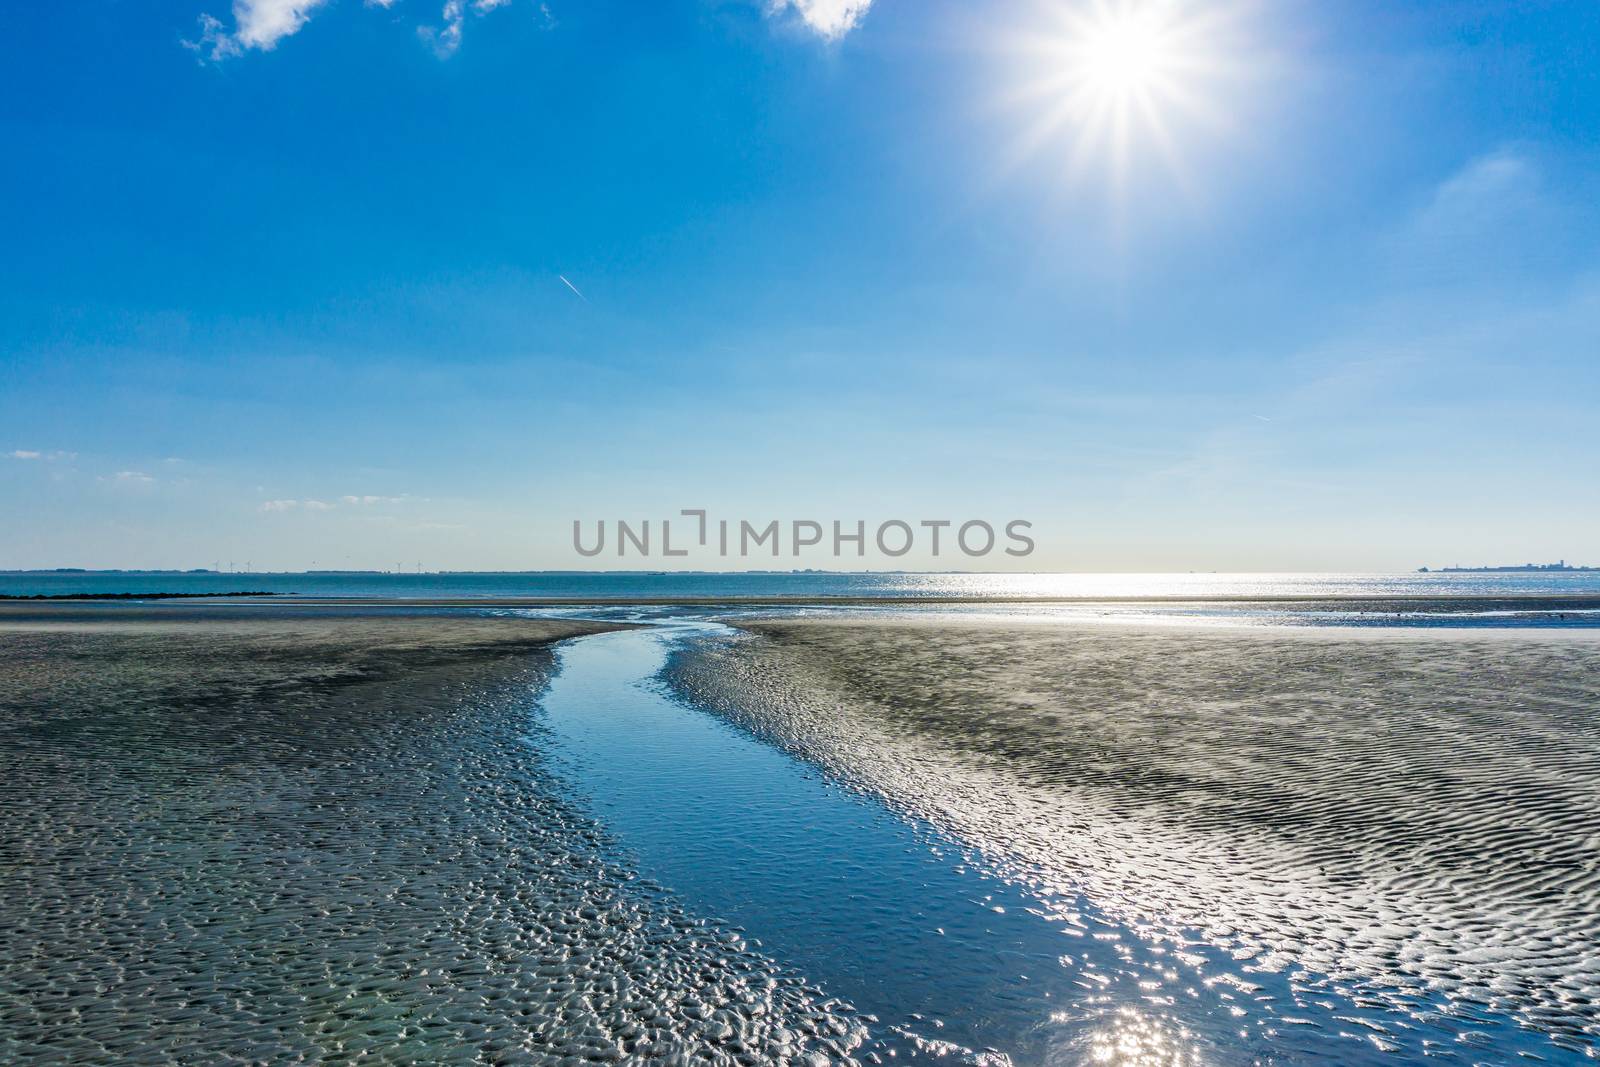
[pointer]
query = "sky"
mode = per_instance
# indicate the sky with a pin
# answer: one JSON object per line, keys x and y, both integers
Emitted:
{"x": 1275, "y": 286}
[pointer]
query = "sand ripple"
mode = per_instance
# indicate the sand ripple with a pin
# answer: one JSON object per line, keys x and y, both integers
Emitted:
{"x": 290, "y": 846}
{"x": 1413, "y": 813}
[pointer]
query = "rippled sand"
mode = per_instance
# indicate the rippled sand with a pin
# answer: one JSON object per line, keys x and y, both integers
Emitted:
{"x": 1407, "y": 811}
{"x": 297, "y": 835}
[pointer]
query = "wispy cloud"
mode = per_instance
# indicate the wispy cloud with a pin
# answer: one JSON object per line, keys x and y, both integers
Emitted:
{"x": 1505, "y": 174}
{"x": 370, "y": 500}
{"x": 353, "y": 500}
{"x": 1496, "y": 218}
{"x": 830, "y": 18}
{"x": 48, "y": 457}
{"x": 129, "y": 478}
{"x": 260, "y": 24}
{"x": 1495, "y": 193}
{"x": 446, "y": 39}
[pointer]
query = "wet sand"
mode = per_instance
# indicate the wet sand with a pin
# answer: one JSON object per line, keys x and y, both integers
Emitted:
{"x": 1411, "y": 813}
{"x": 290, "y": 834}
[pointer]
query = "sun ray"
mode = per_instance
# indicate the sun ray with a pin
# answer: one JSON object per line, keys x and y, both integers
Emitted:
{"x": 1118, "y": 80}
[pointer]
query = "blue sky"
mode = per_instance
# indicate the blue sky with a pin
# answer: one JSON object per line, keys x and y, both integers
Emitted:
{"x": 283, "y": 281}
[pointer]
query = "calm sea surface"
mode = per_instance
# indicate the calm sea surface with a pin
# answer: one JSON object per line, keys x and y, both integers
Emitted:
{"x": 625, "y": 585}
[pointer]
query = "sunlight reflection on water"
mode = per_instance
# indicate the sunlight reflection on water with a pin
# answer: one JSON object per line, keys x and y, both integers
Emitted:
{"x": 1135, "y": 1039}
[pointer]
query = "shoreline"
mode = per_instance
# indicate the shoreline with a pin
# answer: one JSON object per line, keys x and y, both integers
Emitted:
{"x": 1529, "y": 616}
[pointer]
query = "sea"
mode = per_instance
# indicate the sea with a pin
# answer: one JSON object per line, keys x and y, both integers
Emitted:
{"x": 1478, "y": 600}
{"x": 625, "y": 585}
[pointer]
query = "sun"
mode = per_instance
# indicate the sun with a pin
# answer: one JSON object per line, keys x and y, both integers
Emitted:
{"x": 1128, "y": 53}
{"x": 1116, "y": 79}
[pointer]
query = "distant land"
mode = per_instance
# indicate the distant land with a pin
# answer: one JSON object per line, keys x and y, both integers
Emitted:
{"x": 134, "y": 596}
{"x": 110, "y": 570}
{"x": 1515, "y": 568}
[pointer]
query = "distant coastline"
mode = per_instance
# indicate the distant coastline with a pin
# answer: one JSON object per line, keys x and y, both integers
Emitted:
{"x": 132, "y": 596}
{"x": 1559, "y": 567}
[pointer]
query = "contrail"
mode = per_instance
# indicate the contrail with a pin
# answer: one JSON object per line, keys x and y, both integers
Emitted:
{"x": 574, "y": 288}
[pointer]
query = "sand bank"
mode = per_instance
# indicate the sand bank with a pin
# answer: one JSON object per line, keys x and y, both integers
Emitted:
{"x": 291, "y": 835}
{"x": 1413, "y": 808}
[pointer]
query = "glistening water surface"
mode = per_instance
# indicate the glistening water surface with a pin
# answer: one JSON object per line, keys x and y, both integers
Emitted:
{"x": 944, "y": 957}
{"x": 623, "y": 585}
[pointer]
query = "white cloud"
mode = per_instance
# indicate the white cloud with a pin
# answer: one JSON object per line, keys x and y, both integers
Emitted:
{"x": 258, "y": 24}
{"x": 29, "y": 453}
{"x": 132, "y": 478}
{"x": 261, "y": 24}
{"x": 447, "y": 38}
{"x": 830, "y": 18}
{"x": 358, "y": 501}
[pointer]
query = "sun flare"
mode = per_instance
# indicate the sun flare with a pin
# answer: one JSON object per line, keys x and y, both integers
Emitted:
{"x": 1115, "y": 78}
{"x": 1127, "y": 54}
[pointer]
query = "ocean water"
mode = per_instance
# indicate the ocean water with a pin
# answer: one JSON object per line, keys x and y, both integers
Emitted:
{"x": 621, "y": 585}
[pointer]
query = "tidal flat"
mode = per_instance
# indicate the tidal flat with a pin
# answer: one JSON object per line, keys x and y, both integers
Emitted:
{"x": 310, "y": 835}
{"x": 1403, "y": 818}
{"x": 484, "y": 834}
